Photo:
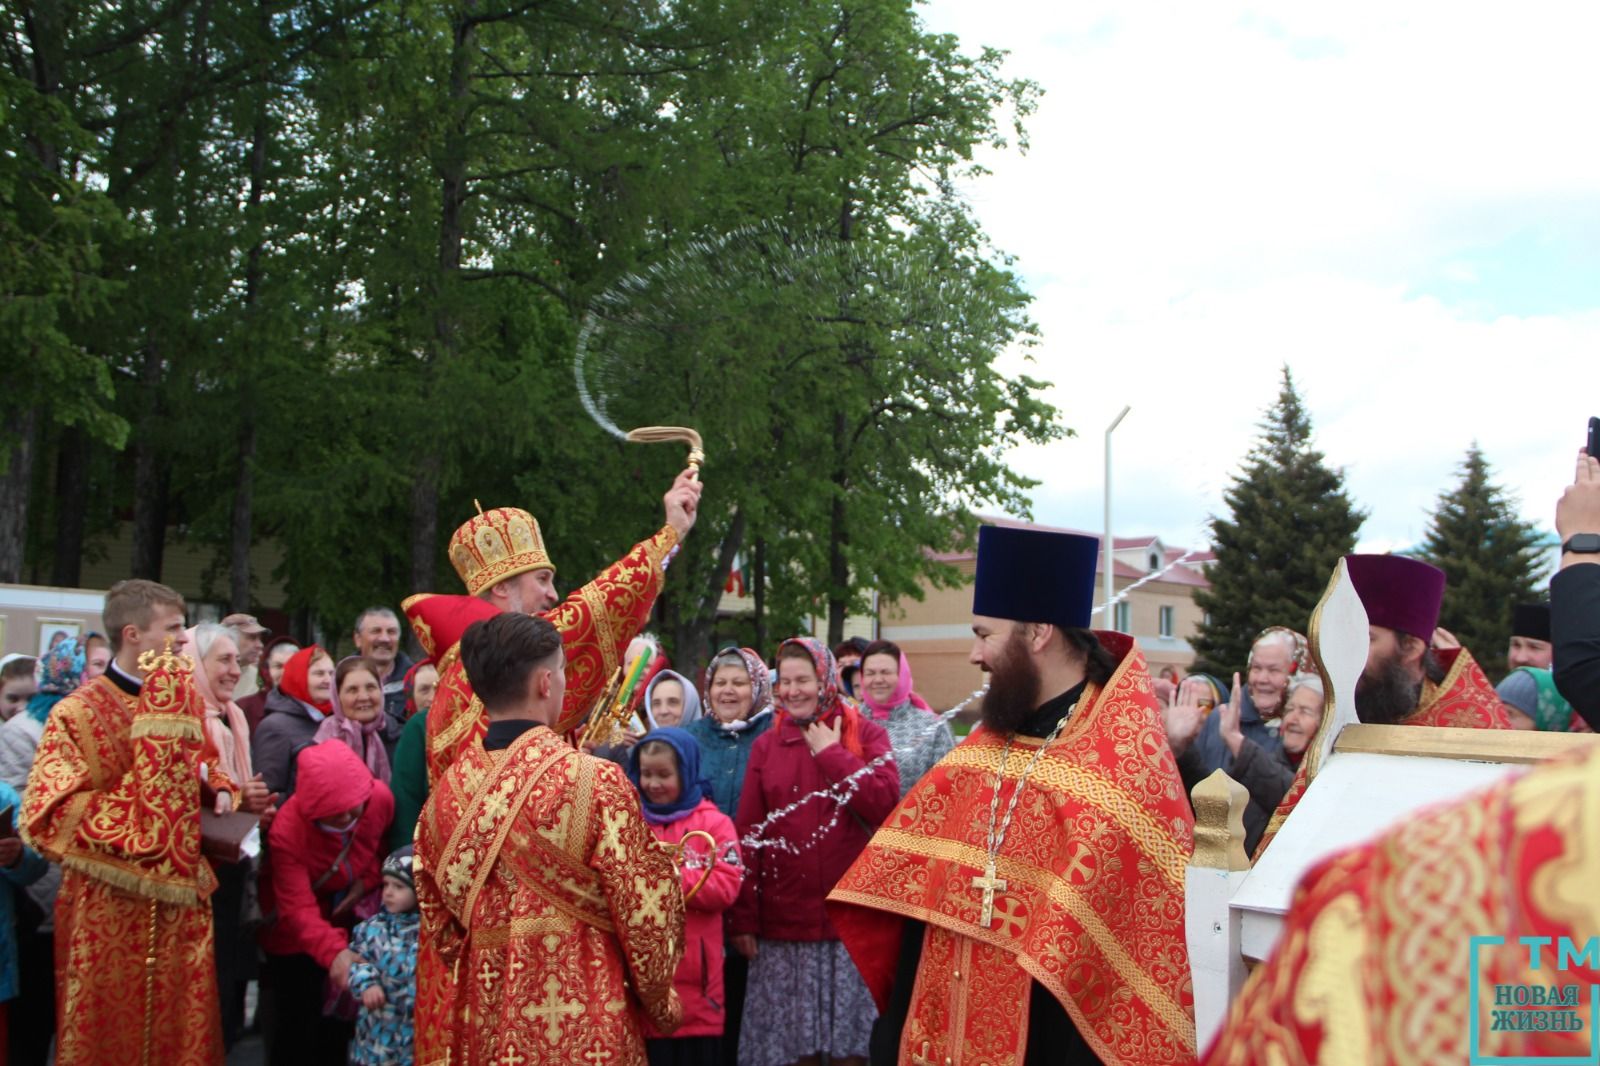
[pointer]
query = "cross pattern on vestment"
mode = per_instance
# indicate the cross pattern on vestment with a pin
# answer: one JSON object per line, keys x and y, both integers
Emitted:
{"x": 553, "y": 1009}
{"x": 487, "y": 976}
{"x": 512, "y": 1057}
{"x": 598, "y": 1054}
{"x": 650, "y": 897}
{"x": 458, "y": 875}
{"x": 611, "y": 832}
{"x": 1012, "y": 916}
{"x": 988, "y": 884}
{"x": 496, "y": 805}
{"x": 1077, "y": 866}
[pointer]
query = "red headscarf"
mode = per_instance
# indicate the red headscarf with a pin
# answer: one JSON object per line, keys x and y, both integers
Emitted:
{"x": 296, "y": 678}
{"x": 830, "y": 704}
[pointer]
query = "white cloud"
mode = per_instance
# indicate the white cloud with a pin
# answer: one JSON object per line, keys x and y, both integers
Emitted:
{"x": 1213, "y": 192}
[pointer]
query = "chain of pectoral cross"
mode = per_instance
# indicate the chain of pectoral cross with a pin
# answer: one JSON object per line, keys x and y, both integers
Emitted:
{"x": 988, "y": 883}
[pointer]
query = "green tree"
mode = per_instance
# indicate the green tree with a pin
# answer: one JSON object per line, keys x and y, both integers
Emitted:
{"x": 1490, "y": 557}
{"x": 1289, "y": 521}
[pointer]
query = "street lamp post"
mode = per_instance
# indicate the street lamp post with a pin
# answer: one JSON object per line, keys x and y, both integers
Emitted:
{"x": 1110, "y": 621}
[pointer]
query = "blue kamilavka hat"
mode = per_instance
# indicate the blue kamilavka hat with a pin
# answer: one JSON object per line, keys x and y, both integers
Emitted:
{"x": 1035, "y": 575}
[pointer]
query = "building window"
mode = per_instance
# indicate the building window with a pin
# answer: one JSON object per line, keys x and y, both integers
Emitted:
{"x": 1155, "y": 561}
{"x": 1120, "y": 620}
{"x": 1167, "y": 620}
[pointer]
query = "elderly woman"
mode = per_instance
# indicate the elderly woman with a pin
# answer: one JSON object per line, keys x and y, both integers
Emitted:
{"x": 919, "y": 737}
{"x": 808, "y": 995}
{"x": 738, "y": 709}
{"x": 1266, "y": 773}
{"x": 299, "y": 704}
{"x": 216, "y": 673}
{"x": 273, "y": 661}
{"x": 357, "y": 719}
{"x": 323, "y": 874}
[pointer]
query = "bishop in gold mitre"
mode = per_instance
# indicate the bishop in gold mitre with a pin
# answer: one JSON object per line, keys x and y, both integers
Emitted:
{"x": 501, "y": 558}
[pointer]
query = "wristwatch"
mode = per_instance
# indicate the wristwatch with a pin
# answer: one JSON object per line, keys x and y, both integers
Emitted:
{"x": 1583, "y": 544}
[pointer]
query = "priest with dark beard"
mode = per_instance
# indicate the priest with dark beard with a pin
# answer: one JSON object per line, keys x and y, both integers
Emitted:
{"x": 1407, "y": 681}
{"x": 1025, "y": 902}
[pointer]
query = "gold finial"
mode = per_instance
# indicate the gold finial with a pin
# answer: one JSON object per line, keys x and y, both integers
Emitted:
{"x": 478, "y": 505}
{"x": 1219, "y": 803}
{"x": 166, "y": 659}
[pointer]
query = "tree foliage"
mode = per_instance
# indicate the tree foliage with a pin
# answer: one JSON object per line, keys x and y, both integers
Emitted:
{"x": 310, "y": 275}
{"x": 1289, "y": 521}
{"x": 1490, "y": 558}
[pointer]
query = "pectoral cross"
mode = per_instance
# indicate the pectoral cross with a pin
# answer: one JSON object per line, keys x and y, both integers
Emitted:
{"x": 989, "y": 884}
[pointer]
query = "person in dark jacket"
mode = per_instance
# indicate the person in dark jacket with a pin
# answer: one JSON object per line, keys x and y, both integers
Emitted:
{"x": 273, "y": 659}
{"x": 377, "y": 637}
{"x": 1268, "y": 775}
{"x": 779, "y": 923}
{"x": 295, "y": 709}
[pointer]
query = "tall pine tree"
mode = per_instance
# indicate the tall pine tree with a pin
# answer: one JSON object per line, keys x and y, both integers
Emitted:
{"x": 1490, "y": 556}
{"x": 1289, "y": 520}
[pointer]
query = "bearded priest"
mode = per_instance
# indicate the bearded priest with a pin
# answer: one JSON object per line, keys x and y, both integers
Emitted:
{"x": 1024, "y": 903}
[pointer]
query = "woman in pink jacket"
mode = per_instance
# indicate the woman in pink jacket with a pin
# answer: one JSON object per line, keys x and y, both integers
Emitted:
{"x": 665, "y": 768}
{"x": 323, "y": 874}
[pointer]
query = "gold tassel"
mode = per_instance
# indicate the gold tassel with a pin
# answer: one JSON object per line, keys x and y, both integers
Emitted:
{"x": 132, "y": 883}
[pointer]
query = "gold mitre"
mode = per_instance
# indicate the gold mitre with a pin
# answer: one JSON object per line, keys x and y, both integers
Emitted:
{"x": 495, "y": 545}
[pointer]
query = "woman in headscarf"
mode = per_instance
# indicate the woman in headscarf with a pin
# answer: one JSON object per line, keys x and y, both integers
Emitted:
{"x": 919, "y": 737}
{"x": 1530, "y": 698}
{"x": 779, "y": 923}
{"x": 216, "y": 672}
{"x": 738, "y": 702}
{"x": 357, "y": 718}
{"x": 323, "y": 874}
{"x": 665, "y": 767}
{"x": 273, "y": 660}
{"x": 670, "y": 701}
{"x": 299, "y": 704}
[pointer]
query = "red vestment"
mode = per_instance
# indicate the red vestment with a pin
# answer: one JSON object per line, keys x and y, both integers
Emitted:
{"x": 1463, "y": 700}
{"x": 596, "y": 624}
{"x": 1377, "y": 962}
{"x": 1093, "y": 905}
{"x": 544, "y": 894}
{"x": 114, "y": 796}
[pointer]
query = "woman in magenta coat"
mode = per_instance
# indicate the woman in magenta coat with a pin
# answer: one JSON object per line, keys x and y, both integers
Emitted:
{"x": 665, "y": 768}
{"x": 805, "y": 991}
{"x": 323, "y": 873}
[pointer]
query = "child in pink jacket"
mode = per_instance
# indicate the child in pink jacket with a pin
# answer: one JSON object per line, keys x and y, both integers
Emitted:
{"x": 665, "y": 768}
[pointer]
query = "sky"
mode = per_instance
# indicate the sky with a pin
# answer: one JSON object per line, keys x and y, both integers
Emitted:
{"x": 1401, "y": 201}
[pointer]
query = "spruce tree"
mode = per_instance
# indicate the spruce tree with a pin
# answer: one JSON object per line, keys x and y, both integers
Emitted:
{"x": 1489, "y": 555}
{"x": 1289, "y": 520}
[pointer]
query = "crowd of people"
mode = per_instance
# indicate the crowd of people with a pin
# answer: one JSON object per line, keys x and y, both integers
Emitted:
{"x": 776, "y": 857}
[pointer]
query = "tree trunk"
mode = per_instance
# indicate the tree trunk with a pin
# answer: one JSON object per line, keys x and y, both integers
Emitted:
{"x": 758, "y": 589}
{"x": 838, "y": 541}
{"x": 16, "y": 489}
{"x": 424, "y": 524}
{"x": 244, "y": 492}
{"x": 150, "y": 477}
{"x": 692, "y": 637}
{"x": 72, "y": 490}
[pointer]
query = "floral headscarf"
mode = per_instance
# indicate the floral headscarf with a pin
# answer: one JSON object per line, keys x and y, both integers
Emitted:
{"x": 760, "y": 684}
{"x": 56, "y": 674}
{"x": 830, "y": 703}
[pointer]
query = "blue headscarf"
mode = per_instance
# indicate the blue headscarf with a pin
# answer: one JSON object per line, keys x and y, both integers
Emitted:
{"x": 58, "y": 672}
{"x": 693, "y": 787}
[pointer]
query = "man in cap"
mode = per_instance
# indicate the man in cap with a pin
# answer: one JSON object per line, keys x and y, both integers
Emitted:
{"x": 1406, "y": 681}
{"x": 252, "y": 640}
{"x": 1026, "y": 897}
{"x": 1530, "y": 636}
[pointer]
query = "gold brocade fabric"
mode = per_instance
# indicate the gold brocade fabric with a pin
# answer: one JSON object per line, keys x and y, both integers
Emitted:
{"x": 1463, "y": 700}
{"x": 114, "y": 796}
{"x": 1093, "y": 906}
{"x": 1376, "y": 963}
{"x": 596, "y": 624}
{"x": 552, "y": 921}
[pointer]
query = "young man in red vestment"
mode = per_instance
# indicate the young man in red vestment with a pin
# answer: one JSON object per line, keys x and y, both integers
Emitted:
{"x": 540, "y": 885}
{"x": 114, "y": 796}
{"x": 1024, "y": 903}
{"x": 1407, "y": 682}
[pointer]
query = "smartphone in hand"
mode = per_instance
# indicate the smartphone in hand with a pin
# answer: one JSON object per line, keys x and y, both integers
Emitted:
{"x": 1594, "y": 438}
{"x": 8, "y": 823}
